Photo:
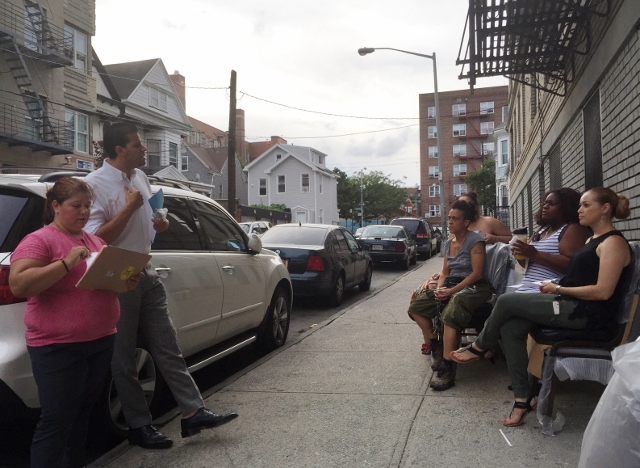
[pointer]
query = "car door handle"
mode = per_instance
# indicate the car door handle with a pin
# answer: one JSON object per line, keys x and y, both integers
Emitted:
{"x": 228, "y": 268}
{"x": 161, "y": 269}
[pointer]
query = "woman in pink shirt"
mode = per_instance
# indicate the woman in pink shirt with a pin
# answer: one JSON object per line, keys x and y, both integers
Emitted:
{"x": 70, "y": 331}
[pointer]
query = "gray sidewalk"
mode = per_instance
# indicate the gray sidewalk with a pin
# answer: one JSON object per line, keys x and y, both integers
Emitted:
{"x": 355, "y": 392}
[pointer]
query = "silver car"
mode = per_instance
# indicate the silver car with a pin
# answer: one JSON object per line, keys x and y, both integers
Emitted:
{"x": 224, "y": 291}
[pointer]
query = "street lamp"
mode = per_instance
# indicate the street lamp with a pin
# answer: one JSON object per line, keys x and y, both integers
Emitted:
{"x": 368, "y": 50}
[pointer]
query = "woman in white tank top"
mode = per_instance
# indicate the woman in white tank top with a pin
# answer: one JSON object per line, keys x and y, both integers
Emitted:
{"x": 559, "y": 236}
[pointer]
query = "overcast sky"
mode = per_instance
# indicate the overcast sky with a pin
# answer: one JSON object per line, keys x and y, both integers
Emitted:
{"x": 302, "y": 54}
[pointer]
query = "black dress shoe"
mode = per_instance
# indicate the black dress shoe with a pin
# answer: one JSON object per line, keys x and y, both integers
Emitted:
{"x": 149, "y": 437}
{"x": 204, "y": 419}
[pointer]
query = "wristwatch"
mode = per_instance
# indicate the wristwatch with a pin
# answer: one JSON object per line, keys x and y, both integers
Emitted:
{"x": 558, "y": 289}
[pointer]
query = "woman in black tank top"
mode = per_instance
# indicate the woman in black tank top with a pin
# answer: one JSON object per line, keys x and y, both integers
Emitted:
{"x": 590, "y": 295}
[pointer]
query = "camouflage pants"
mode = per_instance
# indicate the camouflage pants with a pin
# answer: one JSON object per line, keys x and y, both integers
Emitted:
{"x": 457, "y": 312}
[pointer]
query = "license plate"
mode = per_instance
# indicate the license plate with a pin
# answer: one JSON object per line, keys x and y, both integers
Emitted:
{"x": 376, "y": 247}
{"x": 286, "y": 262}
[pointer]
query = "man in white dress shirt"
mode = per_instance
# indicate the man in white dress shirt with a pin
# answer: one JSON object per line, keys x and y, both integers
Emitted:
{"x": 122, "y": 216}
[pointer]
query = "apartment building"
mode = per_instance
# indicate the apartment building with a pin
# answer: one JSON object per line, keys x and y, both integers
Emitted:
{"x": 467, "y": 123}
{"x": 575, "y": 104}
{"x": 47, "y": 91}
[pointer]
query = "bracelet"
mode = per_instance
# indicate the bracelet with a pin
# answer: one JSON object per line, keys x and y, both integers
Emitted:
{"x": 64, "y": 264}
{"x": 558, "y": 289}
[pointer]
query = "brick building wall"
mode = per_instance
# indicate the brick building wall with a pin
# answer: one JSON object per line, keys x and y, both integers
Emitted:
{"x": 463, "y": 110}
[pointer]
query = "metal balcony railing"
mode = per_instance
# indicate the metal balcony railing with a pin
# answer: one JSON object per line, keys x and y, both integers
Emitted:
{"x": 17, "y": 128}
{"x": 35, "y": 33}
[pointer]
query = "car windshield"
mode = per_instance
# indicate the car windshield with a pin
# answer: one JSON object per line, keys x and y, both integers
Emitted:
{"x": 381, "y": 231}
{"x": 245, "y": 228}
{"x": 300, "y": 235}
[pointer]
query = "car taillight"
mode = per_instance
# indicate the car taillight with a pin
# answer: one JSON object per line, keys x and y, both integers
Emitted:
{"x": 400, "y": 248}
{"x": 6, "y": 296}
{"x": 314, "y": 263}
{"x": 422, "y": 236}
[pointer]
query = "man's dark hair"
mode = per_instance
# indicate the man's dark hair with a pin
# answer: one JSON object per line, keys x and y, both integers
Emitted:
{"x": 117, "y": 135}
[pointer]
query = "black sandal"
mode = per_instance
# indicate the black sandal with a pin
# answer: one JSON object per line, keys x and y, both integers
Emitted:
{"x": 525, "y": 405}
{"x": 472, "y": 350}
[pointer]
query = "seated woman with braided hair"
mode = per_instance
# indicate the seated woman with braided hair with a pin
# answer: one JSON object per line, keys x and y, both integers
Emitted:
{"x": 459, "y": 291}
{"x": 587, "y": 297}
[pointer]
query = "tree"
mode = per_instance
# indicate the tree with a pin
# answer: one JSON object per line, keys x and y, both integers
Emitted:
{"x": 348, "y": 195}
{"x": 273, "y": 206}
{"x": 383, "y": 196}
{"x": 483, "y": 182}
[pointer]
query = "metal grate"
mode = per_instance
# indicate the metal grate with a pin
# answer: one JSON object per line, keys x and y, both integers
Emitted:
{"x": 522, "y": 38}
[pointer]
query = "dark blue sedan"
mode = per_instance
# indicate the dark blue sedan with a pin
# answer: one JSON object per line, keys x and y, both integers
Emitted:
{"x": 323, "y": 260}
{"x": 389, "y": 244}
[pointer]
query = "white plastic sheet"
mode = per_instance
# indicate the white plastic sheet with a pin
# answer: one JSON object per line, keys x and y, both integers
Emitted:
{"x": 612, "y": 437}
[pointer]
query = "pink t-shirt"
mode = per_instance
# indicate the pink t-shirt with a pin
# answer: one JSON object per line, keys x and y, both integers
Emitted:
{"x": 64, "y": 313}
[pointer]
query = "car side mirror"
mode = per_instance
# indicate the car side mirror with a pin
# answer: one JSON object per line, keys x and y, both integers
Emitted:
{"x": 255, "y": 244}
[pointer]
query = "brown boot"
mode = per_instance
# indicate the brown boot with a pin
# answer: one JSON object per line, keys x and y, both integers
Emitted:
{"x": 436, "y": 354}
{"x": 445, "y": 376}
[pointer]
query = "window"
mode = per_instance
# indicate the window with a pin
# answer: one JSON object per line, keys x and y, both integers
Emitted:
{"x": 433, "y": 172}
{"x": 182, "y": 233}
{"x": 432, "y": 131}
{"x": 321, "y": 159}
{"x": 281, "y": 184}
{"x": 459, "y": 170}
{"x": 504, "y": 152}
{"x": 153, "y": 153}
{"x": 184, "y": 163}
{"x": 221, "y": 234}
{"x": 504, "y": 202}
{"x": 173, "y": 154}
{"x": 459, "y": 129}
{"x": 434, "y": 191}
{"x": 486, "y": 107}
{"x": 79, "y": 42}
{"x": 486, "y": 128}
{"x": 305, "y": 182}
{"x": 433, "y": 151}
{"x": 505, "y": 113}
{"x": 157, "y": 99}
{"x": 460, "y": 150}
{"x": 79, "y": 125}
{"x": 263, "y": 187}
{"x": 278, "y": 157}
{"x": 434, "y": 211}
{"x": 459, "y": 109}
{"x": 320, "y": 186}
{"x": 221, "y": 191}
{"x": 488, "y": 148}
{"x": 459, "y": 189}
{"x": 431, "y": 112}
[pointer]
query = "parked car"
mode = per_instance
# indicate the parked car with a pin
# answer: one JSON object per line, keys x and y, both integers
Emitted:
{"x": 358, "y": 232}
{"x": 323, "y": 260}
{"x": 389, "y": 243}
{"x": 422, "y": 233}
{"x": 224, "y": 291}
{"x": 255, "y": 227}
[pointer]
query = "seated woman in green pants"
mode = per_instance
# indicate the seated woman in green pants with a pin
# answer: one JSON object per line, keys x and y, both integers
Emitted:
{"x": 460, "y": 286}
{"x": 588, "y": 297}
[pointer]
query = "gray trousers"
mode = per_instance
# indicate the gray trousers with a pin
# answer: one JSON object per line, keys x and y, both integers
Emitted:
{"x": 513, "y": 316}
{"x": 145, "y": 308}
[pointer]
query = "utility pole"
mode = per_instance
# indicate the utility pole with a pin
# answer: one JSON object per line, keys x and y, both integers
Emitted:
{"x": 231, "y": 148}
{"x": 361, "y": 204}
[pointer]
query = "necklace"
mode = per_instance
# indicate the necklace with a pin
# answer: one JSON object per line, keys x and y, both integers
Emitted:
{"x": 548, "y": 233}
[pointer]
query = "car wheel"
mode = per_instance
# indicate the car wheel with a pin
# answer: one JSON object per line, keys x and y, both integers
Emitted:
{"x": 275, "y": 326}
{"x": 338, "y": 291}
{"x": 109, "y": 407}
{"x": 366, "y": 284}
{"x": 404, "y": 263}
{"x": 414, "y": 259}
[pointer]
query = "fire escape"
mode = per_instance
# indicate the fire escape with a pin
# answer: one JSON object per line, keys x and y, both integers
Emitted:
{"x": 475, "y": 137}
{"x": 26, "y": 36}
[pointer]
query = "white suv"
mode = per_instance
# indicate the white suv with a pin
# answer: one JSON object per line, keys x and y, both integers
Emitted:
{"x": 224, "y": 291}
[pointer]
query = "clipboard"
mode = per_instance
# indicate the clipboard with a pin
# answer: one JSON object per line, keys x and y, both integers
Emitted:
{"x": 111, "y": 268}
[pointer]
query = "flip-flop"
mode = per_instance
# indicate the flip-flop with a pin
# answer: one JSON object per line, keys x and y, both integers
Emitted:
{"x": 472, "y": 350}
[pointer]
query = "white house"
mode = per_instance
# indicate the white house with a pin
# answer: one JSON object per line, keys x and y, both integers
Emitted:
{"x": 297, "y": 177}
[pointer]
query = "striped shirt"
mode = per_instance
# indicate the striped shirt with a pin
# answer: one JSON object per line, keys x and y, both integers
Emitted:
{"x": 537, "y": 271}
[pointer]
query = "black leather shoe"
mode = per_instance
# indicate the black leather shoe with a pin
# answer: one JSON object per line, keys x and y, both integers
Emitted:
{"x": 204, "y": 419}
{"x": 149, "y": 437}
